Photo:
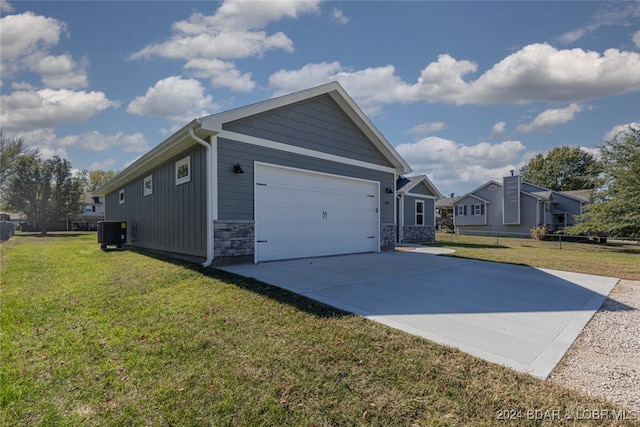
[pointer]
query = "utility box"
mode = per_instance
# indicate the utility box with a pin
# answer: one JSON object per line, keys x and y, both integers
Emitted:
{"x": 112, "y": 233}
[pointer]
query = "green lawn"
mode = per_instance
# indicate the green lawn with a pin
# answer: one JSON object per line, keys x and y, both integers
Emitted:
{"x": 616, "y": 259}
{"x": 125, "y": 338}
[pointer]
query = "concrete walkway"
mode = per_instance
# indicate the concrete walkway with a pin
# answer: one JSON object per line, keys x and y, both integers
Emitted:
{"x": 521, "y": 317}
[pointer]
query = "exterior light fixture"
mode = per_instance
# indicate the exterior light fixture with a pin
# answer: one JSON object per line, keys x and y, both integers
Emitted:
{"x": 237, "y": 168}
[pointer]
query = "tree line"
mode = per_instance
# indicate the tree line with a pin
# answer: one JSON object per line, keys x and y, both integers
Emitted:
{"x": 45, "y": 190}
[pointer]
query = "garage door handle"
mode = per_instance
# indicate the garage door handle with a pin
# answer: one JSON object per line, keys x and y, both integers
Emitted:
{"x": 371, "y": 237}
{"x": 261, "y": 241}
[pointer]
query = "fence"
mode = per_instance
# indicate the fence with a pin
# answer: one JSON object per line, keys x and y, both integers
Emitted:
{"x": 558, "y": 241}
{"x": 7, "y": 229}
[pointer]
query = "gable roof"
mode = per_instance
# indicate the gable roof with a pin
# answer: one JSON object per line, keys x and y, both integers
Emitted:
{"x": 212, "y": 125}
{"x": 460, "y": 199}
{"x": 582, "y": 195}
{"x": 406, "y": 184}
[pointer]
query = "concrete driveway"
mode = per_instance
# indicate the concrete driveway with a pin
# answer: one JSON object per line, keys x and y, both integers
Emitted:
{"x": 521, "y": 317}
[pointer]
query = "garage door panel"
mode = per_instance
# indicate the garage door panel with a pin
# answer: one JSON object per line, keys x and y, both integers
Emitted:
{"x": 304, "y": 214}
{"x": 309, "y": 182}
{"x": 274, "y": 177}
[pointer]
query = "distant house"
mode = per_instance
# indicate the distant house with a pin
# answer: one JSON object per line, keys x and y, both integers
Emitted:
{"x": 305, "y": 174}
{"x": 516, "y": 206}
{"x": 92, "y": 212}
{"x": 416, "y": 199}
{"x": 444, "y": 213}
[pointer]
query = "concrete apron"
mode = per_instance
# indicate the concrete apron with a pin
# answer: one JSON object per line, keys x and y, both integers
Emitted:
{"x": 521, "y": 317}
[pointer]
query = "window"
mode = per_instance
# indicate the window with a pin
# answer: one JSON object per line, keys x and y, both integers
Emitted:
{"x": 478, "y": 209}
{"x": 461, "y": 210}
{"x": 183, "y": 170}
{"x": 148, "y": 185}
{"x": 121, "y": 196}
{"x": 419, "y": 212}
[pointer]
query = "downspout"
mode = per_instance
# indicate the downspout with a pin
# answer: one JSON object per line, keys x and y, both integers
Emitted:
{"x": 204, "y": 143}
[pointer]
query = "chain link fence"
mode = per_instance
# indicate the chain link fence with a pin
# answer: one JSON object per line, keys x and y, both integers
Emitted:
{"x": 558, "y": 241}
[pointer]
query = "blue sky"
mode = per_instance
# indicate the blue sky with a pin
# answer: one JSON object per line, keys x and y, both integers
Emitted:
{"x": 465, "y": 91}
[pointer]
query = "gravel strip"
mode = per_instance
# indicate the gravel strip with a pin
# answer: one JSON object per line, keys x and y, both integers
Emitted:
{"x": 604, "y": 361}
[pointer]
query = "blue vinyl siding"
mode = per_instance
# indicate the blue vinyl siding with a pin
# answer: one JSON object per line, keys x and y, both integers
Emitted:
{"x": 236, "y": 192}
{"x": 316, "y": 124}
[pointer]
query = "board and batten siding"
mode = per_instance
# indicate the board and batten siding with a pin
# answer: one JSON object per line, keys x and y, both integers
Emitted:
{"x": 173, "y": 217}
{"x": 236, "y": 192}
{"x": 316, "y": 124}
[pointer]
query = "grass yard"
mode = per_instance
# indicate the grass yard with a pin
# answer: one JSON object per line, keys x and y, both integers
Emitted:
{"x": 616, "y": 259}
{"x": 126, "y": 338}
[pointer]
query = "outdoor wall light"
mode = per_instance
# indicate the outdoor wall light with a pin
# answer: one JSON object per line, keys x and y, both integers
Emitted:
{"x": 388, "y": 190}
{"x": 237, "y": 168}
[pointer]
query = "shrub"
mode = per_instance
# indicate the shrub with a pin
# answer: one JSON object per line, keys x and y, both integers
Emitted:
{"x": 539, "y": 233}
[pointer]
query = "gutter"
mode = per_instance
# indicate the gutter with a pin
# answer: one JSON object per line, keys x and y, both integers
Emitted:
{"x": 210, "y": 249}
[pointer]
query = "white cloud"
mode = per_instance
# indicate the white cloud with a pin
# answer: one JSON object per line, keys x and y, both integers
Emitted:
{"x": 22, "y": 86}
{"x": 174, "y": 98}
{"x": 5, "y": 6}
{"x": 498, "y": 129}
{"x": 427, "y": 127}
{"x": 61, "y": 71}
{"x": 236, "y": 30}
{"x": 371, "y": 87}
{"x": 551, "y": 118}
{"x": 618, "y": 130}
{"x": 572, "y": 36}
{"x": 636, "y": 39}
{"x": 610, "y": 14}
{"x": 537, "y": 72}
{"x": 452, "y": 164}
{"x": 106, "y": 164}
{"x": 25, "y": 42}
{"x": 28, "y": 33}
{"x": 26, "y": 110}
{"x": 221, "y": 74}
{"x": 287, "y": 81}
{"x": 96, "y": 141}
{"x": 339, "y": 17}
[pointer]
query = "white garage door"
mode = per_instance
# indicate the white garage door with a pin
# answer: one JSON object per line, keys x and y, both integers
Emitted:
{"x": 302, "y": 214}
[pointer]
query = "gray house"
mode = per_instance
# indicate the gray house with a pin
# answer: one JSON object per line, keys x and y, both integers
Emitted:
{"x": 516, "y": 206}
{"x": 305, "y": 174}
{"x": 416, "y": 200}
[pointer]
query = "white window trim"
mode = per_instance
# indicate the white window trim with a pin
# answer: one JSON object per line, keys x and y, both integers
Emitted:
{"x": 148, "y": 191}
{"x": 419, "y": 202}
{"x": 121, "y": 196}
{"x": 477, "y": 210}
{"x": 179, "y": 164}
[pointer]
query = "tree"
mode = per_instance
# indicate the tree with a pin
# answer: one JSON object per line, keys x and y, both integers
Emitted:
{"x": 96, "y": 179}
{"x": 44, "y": 190}
{"x": 10, "y": 150}
{"x": 616, "y": 207}
{"x": 563, "y": 169}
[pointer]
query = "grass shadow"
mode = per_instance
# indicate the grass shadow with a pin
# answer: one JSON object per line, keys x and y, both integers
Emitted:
{"x": 275, "y": 293}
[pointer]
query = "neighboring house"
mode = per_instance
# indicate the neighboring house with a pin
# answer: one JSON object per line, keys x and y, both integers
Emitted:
{"x": 305, "y": 174}
{"x": 416, "y": 199}
{"x": 92, "y": 212}
{"x": 516, "y": 206}
{"x": 444, "y": 213}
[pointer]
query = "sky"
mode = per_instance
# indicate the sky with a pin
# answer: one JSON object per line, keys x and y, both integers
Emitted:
{"x": 464, "y": 90}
